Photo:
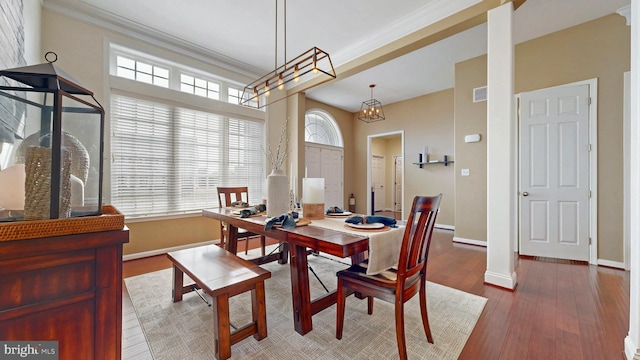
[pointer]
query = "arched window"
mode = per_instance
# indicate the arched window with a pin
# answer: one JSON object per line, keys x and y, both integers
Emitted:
{"x": 321, "y": 128}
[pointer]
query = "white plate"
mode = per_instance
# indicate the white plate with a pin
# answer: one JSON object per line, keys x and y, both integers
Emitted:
{"x": 344, "y": 213}
{"x": 366, "y": 226}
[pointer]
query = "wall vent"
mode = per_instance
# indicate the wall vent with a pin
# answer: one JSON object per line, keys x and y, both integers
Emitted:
{"x": 480, "y": 94}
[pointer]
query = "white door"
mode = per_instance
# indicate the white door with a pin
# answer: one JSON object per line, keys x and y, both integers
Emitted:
{"x": 326, "y": 162}
{"x": 397, "y": 200}
{"x": 554, "y": 178}
{"x": 377, "y": 182}
{"x": 331, "y": 165}
{"x": 313, "y": 162}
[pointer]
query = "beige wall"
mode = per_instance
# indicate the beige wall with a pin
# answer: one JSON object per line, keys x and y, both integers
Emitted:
{"x": 161, "y": 234}
{"x": 470, "y": 118}
{"x": 82, "y": 52}
{"x": 425, "y": 120}
{"x": 597, "y": 49}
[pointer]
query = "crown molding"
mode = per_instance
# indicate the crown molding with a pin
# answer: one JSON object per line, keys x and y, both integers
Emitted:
{"x": 109, "y": 21}
{"x": 427, "y": 15}
{"x": 626, "y": 12}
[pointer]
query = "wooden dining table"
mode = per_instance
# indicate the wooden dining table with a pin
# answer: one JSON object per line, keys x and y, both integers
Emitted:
{"x": 299, "y": 240}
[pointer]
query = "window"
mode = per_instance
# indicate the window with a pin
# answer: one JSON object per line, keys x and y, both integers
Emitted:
{"x": 141, "y": 71}
{"x": 169, "y": 159}
{"x": 321, "y": 128}
{"x": 200, "y": 87}
{"x": 234, "y": 95}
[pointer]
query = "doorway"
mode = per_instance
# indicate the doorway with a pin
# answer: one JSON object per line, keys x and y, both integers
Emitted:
{"x": 378, "y": 183}
{"x": 388, "y": 146}
{"x": 556, "y": 200}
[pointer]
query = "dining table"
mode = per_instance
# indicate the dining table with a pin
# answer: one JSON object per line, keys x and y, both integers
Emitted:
{"x": 330, "y": 236}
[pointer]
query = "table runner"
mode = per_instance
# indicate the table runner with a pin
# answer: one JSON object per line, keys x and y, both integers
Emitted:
{"x": 384, "y": 246}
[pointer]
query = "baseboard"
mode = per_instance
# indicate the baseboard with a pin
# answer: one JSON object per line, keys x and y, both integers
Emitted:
{"x": 501, "y": 280}
{"x": 612, "y": 264}
{"x": 469, "y": 241}
{"x": 145, "y": 254}
{"x": 446, "y": 227}
{"x": 631, "y": 350}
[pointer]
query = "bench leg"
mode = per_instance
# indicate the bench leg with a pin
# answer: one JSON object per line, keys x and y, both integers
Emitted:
{"x": 221, "y": 327}
{"x": 177, "y": 284}
{"x": 259, "y": 310}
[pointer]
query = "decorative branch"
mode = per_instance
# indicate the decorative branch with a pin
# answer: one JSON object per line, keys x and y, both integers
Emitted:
{"x": 282, "y": 151}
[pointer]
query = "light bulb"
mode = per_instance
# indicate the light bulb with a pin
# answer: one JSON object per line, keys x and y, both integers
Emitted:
{"x": 296, "y": 75}
{"x": 315, "y": 64}
{"x": 266, "y": 88}
{"x": 280, "y": 82}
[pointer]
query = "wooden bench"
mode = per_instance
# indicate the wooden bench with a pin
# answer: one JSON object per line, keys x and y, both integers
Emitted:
{"x": 222, "y": 275}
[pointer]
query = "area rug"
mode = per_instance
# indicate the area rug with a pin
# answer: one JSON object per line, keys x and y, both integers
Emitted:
{"x": 183, "y": 330}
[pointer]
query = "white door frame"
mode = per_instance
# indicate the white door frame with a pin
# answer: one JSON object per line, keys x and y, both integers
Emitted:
{"x": 397, "y": 200}
{"x": 369, "y": 182}
{"x": 626, "y": 156}
{"x": 593, "y": 166}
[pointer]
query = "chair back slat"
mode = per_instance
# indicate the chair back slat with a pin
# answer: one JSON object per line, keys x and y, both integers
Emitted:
{"x": 417, "y": 237}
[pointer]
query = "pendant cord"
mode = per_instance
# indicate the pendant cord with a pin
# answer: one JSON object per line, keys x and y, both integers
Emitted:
{"x": 285, "y": 32}
{"x": 276, "y": 38}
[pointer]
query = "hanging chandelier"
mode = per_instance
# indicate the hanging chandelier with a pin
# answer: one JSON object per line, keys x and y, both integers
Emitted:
{"x": 313, "y": 63}
{"x": 371, "y": 110}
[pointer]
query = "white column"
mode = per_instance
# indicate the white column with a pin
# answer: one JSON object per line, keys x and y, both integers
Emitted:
{"x": 632, "y": 341}
{"x": 501, "y": 149}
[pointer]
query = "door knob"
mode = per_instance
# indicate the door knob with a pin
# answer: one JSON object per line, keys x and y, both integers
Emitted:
{"x": 525, "y": 194}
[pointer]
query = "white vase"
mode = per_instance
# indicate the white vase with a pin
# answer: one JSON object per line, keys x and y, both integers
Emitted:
{"x": 278, "y": 193}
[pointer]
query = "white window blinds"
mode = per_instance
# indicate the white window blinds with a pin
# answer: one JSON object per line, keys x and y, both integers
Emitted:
{"x": 169, "y": 160}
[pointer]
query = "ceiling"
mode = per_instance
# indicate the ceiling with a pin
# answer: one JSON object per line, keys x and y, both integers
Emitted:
{"x": 241, "y": 35}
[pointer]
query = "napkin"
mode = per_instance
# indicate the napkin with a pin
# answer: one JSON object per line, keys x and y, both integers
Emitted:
{"x": 287, "y": 220}
{"x": 334, "y": 210}
{"x": 372, "y": 219}
{"x": 245, "y": 213}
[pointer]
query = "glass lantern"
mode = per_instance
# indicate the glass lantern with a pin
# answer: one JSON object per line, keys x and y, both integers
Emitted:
{"x": 51, "y": 145}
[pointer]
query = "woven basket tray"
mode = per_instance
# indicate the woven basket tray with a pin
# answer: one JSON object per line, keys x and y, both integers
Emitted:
{"x": 111, "y": 219}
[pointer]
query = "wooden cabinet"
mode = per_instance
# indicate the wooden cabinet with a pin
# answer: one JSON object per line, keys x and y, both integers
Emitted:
{"x": 66, "y": 289}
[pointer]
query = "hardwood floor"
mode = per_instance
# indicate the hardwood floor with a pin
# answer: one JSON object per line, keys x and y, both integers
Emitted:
{"x": 559, "y": 310}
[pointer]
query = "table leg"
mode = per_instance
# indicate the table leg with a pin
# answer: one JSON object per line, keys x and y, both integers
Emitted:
{"x": 177, "y": 284}
{"x": 284, "y": 253}
{"x": 301, "y": 295}
{"x": 232, "y": 239}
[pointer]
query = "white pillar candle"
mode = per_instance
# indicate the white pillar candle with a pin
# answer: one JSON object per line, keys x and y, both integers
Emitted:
{"x": 313, "y": 190}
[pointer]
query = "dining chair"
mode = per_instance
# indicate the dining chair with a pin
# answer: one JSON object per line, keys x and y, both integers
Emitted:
{"x": 226, "y": 197}
{"x": 396, "y": 286}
